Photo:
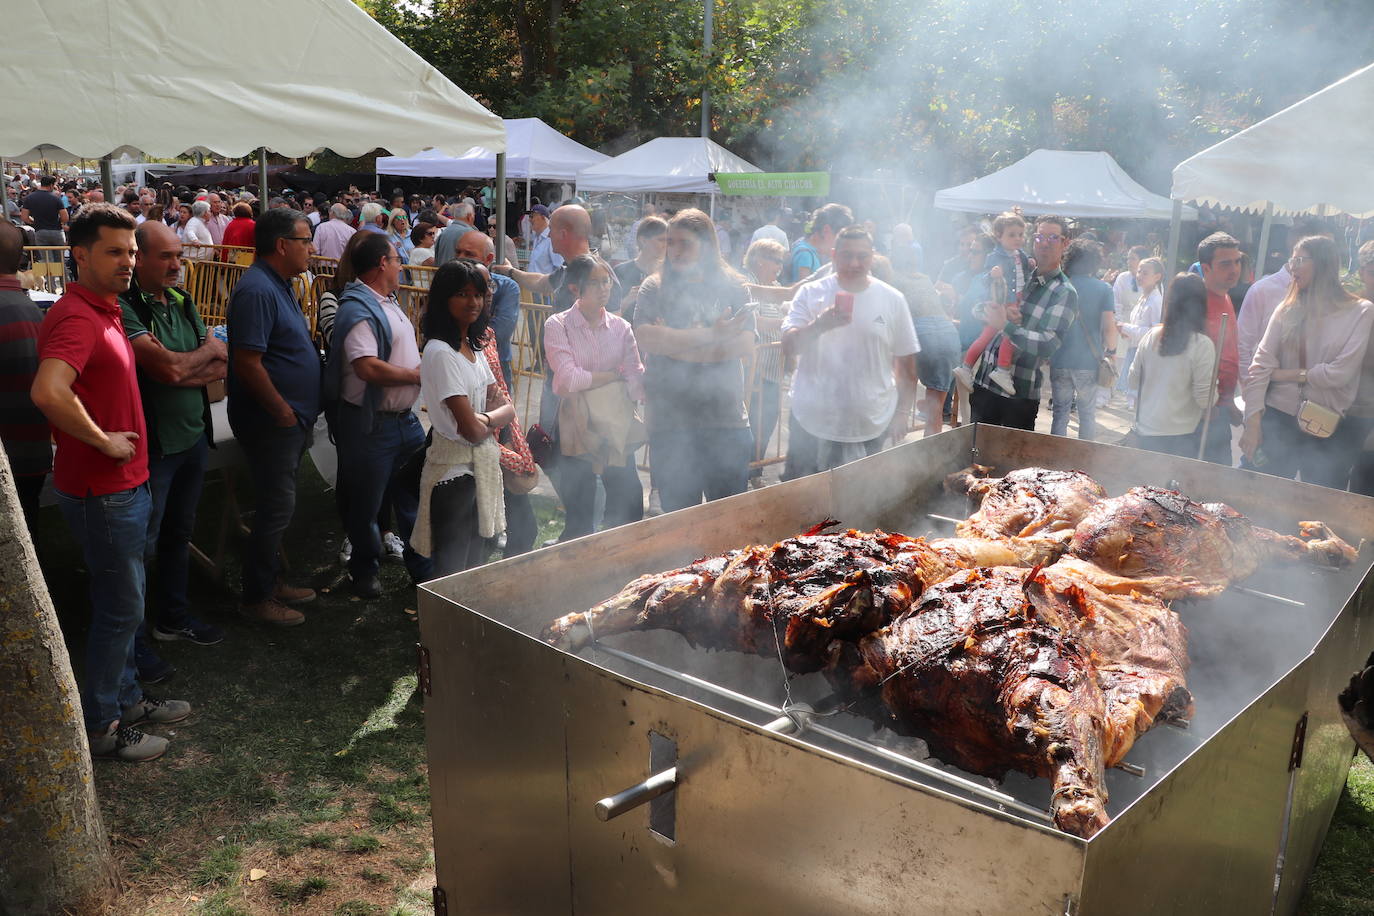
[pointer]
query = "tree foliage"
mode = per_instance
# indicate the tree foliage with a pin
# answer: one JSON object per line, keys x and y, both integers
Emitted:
{"x": 939, "y": 90}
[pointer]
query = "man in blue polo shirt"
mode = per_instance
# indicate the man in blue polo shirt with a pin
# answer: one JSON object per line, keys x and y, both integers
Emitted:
{"x": 274, "y": 399}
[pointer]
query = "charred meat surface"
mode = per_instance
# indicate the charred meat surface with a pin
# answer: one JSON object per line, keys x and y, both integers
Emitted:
{"x": 1037, "y": 671}
{"x": 1030, "y": 502}
{"x": 800, "y": 594}
{"x": 992, "y": 687}
{"x": 1176, "y": 547}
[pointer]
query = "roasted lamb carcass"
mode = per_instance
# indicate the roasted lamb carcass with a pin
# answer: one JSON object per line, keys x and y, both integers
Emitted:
{"x": 1036, "y": 671}
{"x": 796, "y": 596}
{"x": 1161, "y": 541}
{"x": 1030, "y": 502}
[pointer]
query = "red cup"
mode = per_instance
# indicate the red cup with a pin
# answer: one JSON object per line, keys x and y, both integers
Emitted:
{"x": 844, "y": 304}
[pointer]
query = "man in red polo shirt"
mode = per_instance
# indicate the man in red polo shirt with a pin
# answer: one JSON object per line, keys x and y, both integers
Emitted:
{"x": 1220, "y": 257}
{"x": 88, "y": 389}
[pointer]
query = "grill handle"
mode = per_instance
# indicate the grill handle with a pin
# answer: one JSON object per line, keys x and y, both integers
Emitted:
{"x": 658, "y": 784}
{"x": 665, "y": 781}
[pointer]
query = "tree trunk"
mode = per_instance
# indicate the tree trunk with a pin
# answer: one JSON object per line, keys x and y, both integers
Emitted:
{"x": 54, "y": 853}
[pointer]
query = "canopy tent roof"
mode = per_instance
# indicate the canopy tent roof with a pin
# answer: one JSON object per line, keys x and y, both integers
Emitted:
{"x": 533, "y": 150}
{"x": 668, "y": 164}
{"x": 290, "y": 87}
{"x": 1064, "y": 182}
{"x": 1312, "y": 154}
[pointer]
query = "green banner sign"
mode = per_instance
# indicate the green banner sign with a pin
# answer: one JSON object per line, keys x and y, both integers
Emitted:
{"x": 774, "y": 184}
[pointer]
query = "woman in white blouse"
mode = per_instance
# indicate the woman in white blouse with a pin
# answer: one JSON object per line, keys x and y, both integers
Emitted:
{"x": 1311, "y": 351}
{"x": 1173, "y": 369}
{"x": 1145, "y": 314}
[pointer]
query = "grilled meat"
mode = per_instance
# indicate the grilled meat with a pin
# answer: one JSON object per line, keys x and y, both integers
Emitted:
{"x": 1037, "y": 671}
{"x": 1030, "y": 502}
{"x": 1175, "y": 547}
{"x": 796, "y": 596}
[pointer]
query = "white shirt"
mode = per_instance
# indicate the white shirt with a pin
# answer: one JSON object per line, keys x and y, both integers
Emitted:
{"x": 1261, "y": 301}
{"x": 405, "y": 354}
{"x": 1177, "y": 388}
{"x": 1126, "y": 293}
{"x": 769, "y": 231}
{"x": 196, "y": 232}
{"x": 1147, "y": 313}
{"x": 444, "y": 372}
{"x": 844, "y": 389}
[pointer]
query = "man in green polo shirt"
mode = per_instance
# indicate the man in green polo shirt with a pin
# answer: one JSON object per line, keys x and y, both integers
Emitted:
{"x": 176, "y": 360}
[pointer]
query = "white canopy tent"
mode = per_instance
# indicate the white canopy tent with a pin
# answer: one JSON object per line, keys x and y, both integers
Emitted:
{"x": 533, "y": 150}
{"x": 1311, "y": 157}
{"x": 1064, "y": 182}
{"x": 668, "y": 164}
{"x": 285, "y": 86}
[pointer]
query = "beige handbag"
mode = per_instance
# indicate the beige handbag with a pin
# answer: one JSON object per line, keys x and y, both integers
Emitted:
{"x": 1314, "y": 419}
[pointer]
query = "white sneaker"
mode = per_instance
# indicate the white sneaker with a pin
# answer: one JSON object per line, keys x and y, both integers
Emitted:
{"x": 963, "y": 376}
{"x": 392, "y": 547}
{"x": 345, "y": 551}
{"x": 655, "y": 507}
{"x": 1003, "y": 380}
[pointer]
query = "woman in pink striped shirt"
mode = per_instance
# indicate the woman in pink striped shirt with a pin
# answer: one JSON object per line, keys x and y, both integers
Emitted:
{"x": 588, "y": 347}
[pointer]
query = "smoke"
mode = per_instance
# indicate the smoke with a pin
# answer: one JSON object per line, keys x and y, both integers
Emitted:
{"x": 938, "y": 93}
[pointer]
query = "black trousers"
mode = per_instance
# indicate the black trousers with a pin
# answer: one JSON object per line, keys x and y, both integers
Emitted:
{"x": 453, "y": 516}
{"x": 1000, "y": 410}
{"x": 624, "y": 495}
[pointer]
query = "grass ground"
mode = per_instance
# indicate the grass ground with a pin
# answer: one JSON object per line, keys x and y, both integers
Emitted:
{"x": 299, "y": 784}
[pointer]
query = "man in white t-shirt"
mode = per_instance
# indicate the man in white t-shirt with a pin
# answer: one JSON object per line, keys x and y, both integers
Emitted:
{"x": 856, "y": 369}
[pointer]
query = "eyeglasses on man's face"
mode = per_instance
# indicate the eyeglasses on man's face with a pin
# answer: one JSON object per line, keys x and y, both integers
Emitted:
{"x": 1048, "y": 238}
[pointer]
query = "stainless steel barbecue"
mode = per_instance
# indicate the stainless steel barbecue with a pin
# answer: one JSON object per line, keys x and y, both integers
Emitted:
{"x": 645, "y": 775}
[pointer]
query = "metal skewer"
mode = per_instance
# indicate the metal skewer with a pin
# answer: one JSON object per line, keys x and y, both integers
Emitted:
{"x": 1291, "y": 602}
{"x": 944, "y": 518}
{"x": 966, "y": 785}
{"x": 1131, "y": 768}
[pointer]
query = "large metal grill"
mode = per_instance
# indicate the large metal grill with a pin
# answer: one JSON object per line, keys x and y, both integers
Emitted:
{"x": 760, "y": 806}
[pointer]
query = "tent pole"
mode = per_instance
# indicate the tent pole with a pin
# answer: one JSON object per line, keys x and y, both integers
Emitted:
{"x": 706, "y": 39}
{"x": 262, "y": 180}
{"x": 1263, "y": 252}
{"x": 528, "y": 183}
{"x": 1175, "y": 230}
{"x": 107, "y": 179}
{"x": 500, "y": 207}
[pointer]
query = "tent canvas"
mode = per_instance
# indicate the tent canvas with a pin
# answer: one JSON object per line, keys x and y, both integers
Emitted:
{"x": 666, "y": 164}
{"x": 1313, "y": 154}
{"x": 285, "y": 85}
{"x": 533, "y": 150}
{"x": 1075, "y": 184}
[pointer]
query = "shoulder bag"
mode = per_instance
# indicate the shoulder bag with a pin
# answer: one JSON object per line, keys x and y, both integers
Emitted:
{"x": 1106, "y": 365}
{"x": 1317, "y": 421}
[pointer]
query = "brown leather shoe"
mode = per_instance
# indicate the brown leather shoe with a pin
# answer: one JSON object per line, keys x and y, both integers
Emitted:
{"x": 274, "y": 612}
{"x": 291, "y": 594}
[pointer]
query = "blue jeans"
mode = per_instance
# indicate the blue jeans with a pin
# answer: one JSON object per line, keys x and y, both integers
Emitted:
{"x": 370, "y": 465}
{"x": 175, "y": 483}
{"x": 112, "y": 531}
{"x": 693, "y": 463}
{"x": 273, "y": 456}
{"x": 1068, "y": 386}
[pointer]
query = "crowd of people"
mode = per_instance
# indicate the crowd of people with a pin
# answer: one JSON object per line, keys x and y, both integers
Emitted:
{"x": 678, "y": 347}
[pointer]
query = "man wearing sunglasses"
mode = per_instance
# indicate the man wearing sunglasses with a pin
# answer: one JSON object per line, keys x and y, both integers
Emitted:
{"x": 1036, "y": 328}
{"x": 274, "y": 399}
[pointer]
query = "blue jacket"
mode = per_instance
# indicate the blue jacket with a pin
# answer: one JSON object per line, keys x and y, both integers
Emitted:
{"x": 357, "y": 303}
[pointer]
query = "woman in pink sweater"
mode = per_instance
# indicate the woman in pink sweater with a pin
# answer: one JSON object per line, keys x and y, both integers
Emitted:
{"x": 1311, "y": 352}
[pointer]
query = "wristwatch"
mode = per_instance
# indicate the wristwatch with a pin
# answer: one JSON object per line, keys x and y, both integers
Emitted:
{"x": 1302, "y": 376}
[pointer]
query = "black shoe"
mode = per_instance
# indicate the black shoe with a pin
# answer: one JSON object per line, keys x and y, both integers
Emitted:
{"x": 366, "y": 587}
{"x": 152, "y": 669}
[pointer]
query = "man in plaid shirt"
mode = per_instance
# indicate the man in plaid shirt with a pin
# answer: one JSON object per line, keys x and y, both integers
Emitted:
{"x": 1036, "y": 327}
